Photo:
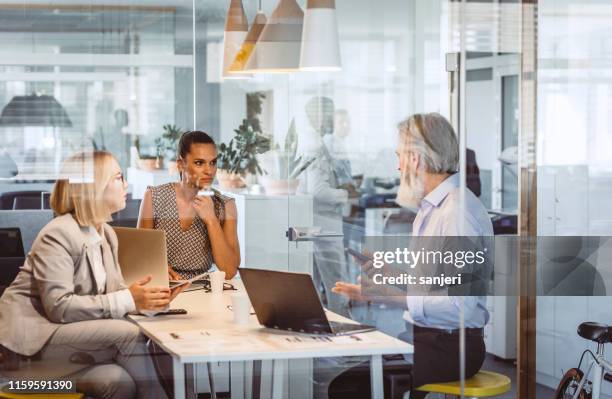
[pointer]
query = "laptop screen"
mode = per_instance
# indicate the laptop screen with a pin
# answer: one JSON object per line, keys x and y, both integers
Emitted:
{"x": 284, "y": 300}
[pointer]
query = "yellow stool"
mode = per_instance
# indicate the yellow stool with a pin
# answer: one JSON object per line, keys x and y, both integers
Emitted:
{"x": 484, "y": 384}
{"x": 6, "y": 395}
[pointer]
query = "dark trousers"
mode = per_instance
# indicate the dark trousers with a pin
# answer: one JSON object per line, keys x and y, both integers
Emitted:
{"x": 436, "y": 359}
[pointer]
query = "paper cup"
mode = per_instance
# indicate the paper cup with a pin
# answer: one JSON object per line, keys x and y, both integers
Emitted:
{"x": 216, "y": 282}
{"x": 241, "y": 307}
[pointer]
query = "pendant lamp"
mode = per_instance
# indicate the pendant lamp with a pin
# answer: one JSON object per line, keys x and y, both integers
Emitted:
{"x": 320, "y": 43}
{"x": 278, "y": 47}
{"x": 236, "y": 29}
{"x": 34, "y": 110}
{"x": 246, "y": 50}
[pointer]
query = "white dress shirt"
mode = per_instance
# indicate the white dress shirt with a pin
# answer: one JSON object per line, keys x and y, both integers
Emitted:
{"x": 120, "y": 302}
{"x": 440, "y": 215}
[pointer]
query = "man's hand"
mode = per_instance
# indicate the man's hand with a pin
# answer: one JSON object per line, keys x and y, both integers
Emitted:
{"x": 204, "y": 208}
{"x": 149, "y": 298}
{"x": 351, "y": 291}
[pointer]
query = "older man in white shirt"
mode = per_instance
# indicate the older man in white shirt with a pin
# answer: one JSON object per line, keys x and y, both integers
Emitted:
{"x": 428, "y": 160}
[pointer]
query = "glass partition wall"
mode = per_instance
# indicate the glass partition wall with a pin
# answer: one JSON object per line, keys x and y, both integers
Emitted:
{"x": 321, "y": 175}
{"x": 573, "y": 180}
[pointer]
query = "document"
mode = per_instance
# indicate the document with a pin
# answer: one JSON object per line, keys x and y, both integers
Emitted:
{"x": 178, "y": 283}
{"x": 307, "y": 341}
{"x": 213, "y": 341}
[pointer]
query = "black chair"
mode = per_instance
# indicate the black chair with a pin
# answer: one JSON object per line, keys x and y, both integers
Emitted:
{"x": 127, "y": 217}
{"x": 12, "y": 255}
{"x": 26, "y": 203}
{"x": 24, "y": 200}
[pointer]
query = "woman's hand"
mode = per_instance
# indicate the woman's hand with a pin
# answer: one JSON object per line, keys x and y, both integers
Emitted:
{"x": 172, "y": 275}
{"x": 204, "y": 208}
{"x": 175, "y": 291}
{"x": 149, "y": 298}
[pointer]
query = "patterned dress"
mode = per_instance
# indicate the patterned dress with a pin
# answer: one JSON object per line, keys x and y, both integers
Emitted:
{"x": 189, "y": 251}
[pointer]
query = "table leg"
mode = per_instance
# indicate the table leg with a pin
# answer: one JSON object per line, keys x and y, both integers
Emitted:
{"x": 278, "y": 378}
{"x": 237, "y": 377}
{"x": 179, "y": 378}
{"x": 211, "y": 380}
{"x": 257, "y": 370}
{"x": 249, "y": 381}
{"x": 376, "y": 377}
{"x": 190, "y": 381}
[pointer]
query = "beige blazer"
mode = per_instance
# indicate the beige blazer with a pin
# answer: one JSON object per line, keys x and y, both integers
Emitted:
{"x": 56, "y": 285}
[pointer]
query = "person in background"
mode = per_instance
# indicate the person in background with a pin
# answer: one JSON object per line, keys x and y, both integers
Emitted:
{"x": 200, "y": 230}
{"x": 472, "y": 173}
{"x": 68, "y": 302}
{"x": 336, "y": 145}
{"x": 428, "y": 161}
{"x": 321, "y": 181}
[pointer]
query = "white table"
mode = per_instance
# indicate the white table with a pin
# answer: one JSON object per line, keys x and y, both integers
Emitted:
{"x": 252, "y": 342}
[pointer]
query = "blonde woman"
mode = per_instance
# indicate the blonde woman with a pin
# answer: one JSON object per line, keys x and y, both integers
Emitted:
{"x": 68, "y": 302}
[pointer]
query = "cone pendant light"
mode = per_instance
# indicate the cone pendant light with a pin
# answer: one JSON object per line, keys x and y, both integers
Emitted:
{"x": 320, "y": 44}
{"x": 236, "y": 28}
{"x": 278, "y": 47}
{"x": 239, "y": 64}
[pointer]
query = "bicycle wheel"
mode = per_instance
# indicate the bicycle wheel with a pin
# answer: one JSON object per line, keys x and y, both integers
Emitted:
{"x": 568, "y": 385}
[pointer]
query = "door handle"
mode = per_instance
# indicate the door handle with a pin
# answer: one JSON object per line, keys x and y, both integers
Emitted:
{"x": 309, "y": 234}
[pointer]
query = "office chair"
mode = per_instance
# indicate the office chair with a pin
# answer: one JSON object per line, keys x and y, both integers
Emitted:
{"x": 34, "y": 199}
{"x": 12, "y": 255}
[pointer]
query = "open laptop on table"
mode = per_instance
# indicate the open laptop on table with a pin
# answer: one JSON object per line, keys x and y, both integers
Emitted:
{"x": 289, "y": 301}
{"x": 143, "y": 252}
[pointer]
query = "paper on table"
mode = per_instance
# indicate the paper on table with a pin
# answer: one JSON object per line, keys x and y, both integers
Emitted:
{"x": 211, "y": 340}
{"x": 303, "y": 340}
{"x": 212, "y": 335}
{"x": 189, "y": 335}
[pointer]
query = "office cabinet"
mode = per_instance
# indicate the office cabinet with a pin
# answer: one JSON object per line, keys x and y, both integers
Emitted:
{"x": 263, "y": 221}
{"x": 500, "y": 332}
{"x": 563, "y": 200}
{"x": 141, "y": 179}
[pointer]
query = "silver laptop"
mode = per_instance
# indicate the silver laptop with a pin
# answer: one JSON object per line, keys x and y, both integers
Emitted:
{"x": 143, "y": 252}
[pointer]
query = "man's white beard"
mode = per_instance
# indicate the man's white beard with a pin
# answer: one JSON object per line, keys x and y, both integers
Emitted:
{"x": 411, "y": 190}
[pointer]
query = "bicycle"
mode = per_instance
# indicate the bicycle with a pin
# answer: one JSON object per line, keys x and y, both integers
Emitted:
{"x": 575, "y": 383}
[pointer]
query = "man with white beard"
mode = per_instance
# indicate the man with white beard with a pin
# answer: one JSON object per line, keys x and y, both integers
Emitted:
{"x": 428, "y": 161}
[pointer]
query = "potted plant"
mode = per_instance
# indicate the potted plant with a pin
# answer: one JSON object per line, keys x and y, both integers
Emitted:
{"x": 239, "y": 156}
{"x": 169, "y": 141}
{"x": 283, "y": 167}
{"x": 150, "y": 160}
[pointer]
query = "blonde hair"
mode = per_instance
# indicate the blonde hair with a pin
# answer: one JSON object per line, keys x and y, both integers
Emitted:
{"x": 80, "y": 187}
{"x": 433, "y": 139}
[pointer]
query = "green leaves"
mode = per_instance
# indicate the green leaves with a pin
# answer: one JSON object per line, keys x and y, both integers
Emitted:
{"x": 283, "y": 164}
{"x": 168, "y": 141}
{"x": 240, "y": 155}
